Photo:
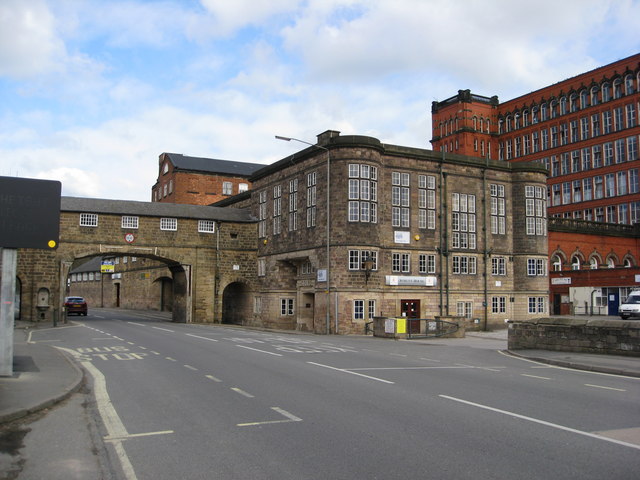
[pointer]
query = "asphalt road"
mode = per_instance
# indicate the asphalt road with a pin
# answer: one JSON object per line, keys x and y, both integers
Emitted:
{"x": 221, "y": 402}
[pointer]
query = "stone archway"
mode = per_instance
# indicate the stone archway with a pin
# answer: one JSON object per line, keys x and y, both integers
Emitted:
{"x": 236, "y": 304}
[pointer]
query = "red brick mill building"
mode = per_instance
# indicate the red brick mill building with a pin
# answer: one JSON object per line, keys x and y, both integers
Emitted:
{"x": 585, "y": 130}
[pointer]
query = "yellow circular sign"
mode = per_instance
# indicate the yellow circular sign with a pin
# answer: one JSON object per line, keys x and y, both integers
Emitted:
{"x": 52, "y": 244}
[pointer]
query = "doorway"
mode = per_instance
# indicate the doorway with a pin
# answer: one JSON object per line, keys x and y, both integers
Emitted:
{"x": 411, "y": 309}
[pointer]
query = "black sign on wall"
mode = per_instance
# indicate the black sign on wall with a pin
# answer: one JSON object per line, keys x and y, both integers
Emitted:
{"x": 29, "y": 213}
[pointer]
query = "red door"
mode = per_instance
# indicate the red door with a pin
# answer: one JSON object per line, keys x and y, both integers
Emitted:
{"x": 411, "y": 309}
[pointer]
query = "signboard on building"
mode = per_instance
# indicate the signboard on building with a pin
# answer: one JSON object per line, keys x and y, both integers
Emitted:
{"x": 107, "y": 267}
{"x": 398, "y": 280}
{"x": 29, "y": 213}
{"x": 402, "y": 237}
{"x": 561, "y": 281}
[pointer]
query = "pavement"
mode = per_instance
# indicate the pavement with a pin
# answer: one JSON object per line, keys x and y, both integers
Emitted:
{"x": 44, "y": 375}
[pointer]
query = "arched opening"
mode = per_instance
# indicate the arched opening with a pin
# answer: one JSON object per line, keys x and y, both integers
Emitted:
{"x": 236, "y": 304}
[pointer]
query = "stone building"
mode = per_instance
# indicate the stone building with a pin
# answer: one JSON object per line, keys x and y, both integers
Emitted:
{"x": 352, "y": 228}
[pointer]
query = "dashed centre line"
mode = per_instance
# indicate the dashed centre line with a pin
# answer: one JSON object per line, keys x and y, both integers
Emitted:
{"x": 606, "y": 388}
{"x": 242, "y": 392}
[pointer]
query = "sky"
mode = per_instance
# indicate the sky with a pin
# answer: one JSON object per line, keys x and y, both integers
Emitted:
{"x": 93, "y": 91}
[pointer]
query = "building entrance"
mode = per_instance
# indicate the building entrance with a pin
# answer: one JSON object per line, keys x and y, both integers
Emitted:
{"x": 411, "y": 309}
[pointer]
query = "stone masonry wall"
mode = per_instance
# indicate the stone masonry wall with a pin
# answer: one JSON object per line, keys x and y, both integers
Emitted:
{"x": 616, "y": 337}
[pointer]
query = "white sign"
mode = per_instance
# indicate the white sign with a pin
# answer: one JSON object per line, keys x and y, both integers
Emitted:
{"x": 561, "y": 281}
{"x": 396, "y": 280}
{"x": 390, "y": 325}
{"x": 322, "y": 275}
{"x": 402, "y": 237}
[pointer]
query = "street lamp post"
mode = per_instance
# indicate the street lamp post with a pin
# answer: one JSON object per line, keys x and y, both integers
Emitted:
{"x": 328, "y": 227}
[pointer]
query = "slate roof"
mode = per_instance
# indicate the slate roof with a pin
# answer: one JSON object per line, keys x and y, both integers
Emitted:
{"x": 212, "y": 165}
{"x": 155, "y": 209}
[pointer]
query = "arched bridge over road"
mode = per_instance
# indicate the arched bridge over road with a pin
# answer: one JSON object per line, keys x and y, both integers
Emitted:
{"x": 210, "y": 252}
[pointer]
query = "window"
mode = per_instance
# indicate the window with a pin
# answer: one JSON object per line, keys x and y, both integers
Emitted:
{"x": 311, "y": 199}
{"x": 426, "y": 263}
{"x": 584, "y": 128}
{"x": 498, "y": 304}
{"x": 634, "y": 185}
{"x": 243, "y": 187}
{"x": 575, "y": 263}
{"x": 169, "y": 224}
{"x": 597, "y": 184}
{"x": 206, "y": 226}
{"x": 498, "y": 210}
{"x": 538, "y": 267}
{"x": 631, "y": 115}
{"x": 400, "y": 195}
{"x": 363, "y": 193}
{"x": 262, "y": 267}
{"x": 358, "y": 257}
{"x": 537, "y": 304}
{"x": 88, "y": 219}
{"x": 401, "y": 262}
{"x": 606, "y": 122}
{"x": 620, "y": 150}
{"x": 358, "y": 309}
{"x": 595, "y": 125}
{"x": 262, "y": 214}
{"x": 129, "y": 221}
{"x": 277, "y": 209}
{"x": 427, "y": 201}
{"x": 464, "y": 309}
{"x": 536, "y": 210}
{"x": 372, "y": 309}
{"x": 286, "y": 306}
{"x": 293, "y": 205}
{"x": 632, "y": 149}
{"x": 227, "y": 188}
{"x": 498, "y": 266}
{"x": 463, "y": 221}
{"x": 618, "y": 116}
{"x": 463, "y": 265}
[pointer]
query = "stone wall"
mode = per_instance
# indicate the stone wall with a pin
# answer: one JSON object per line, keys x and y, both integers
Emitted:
{"x": 613, "y": 337}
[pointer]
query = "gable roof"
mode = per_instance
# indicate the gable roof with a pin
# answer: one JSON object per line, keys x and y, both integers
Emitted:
{"x": 212, "y": 165}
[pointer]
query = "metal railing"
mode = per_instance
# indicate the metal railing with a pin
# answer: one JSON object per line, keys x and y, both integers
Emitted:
{"x": 429, "y": 327}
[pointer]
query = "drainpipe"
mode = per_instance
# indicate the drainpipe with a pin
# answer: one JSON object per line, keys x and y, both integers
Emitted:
{"x": 445, "y": 235}
{"x": 216, "y": 277}
{"x": 487, "y": 251}
{"x": 440, "y": 249}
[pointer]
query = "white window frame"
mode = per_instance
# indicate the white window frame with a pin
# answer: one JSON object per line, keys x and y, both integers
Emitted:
{"x": 169, "y": 224}
{"x": 130, "y": 221}
{"x": 206, "y": 226}
{"x": 88, "y": 219}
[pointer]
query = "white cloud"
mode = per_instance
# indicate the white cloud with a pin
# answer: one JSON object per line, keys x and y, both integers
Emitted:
{"x": 29, "y": 44}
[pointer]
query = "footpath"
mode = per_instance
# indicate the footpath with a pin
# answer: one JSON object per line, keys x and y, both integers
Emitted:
{"x": 44, "y": 375}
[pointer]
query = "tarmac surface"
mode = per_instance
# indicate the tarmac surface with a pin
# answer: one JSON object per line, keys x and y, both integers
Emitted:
{"x": 44, "y": 376}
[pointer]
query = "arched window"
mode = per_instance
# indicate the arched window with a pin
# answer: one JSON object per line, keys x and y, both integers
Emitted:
{"x": 556, "y": 263}
{"x": 628, "y": 85}
{"x": 628, "y": 263}
{"x": 563, "y": 105}
{"x": 534, "y": 115}
{"x": 594, "y": 95}
{"x": 543, "y": 112}
{"x": 593, "y": 263}
{"x": 507, "y": 123}
{"x": 475, "y": 122}
{"x": 516, "y": 120}
{"x": 617, "y": 88}
{"x": 606, "y": 92}
{"x": 553, "y": 109}
{"x": 488, "y": 124}
{"x": 481, "y": 126}
{"x": 611, "y": 263}
{"x": 500, "y": 126}
{"x": 525, "y": 118}
{"x": 584, "y": 98}
{"x": 575, "y": 263}
{"x": 573, "y": 103}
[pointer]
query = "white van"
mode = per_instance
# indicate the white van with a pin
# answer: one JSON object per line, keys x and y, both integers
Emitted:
{"x": 631, "y": 306}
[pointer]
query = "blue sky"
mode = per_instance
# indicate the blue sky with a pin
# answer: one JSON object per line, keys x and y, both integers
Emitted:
{"x": 93, "y": 91}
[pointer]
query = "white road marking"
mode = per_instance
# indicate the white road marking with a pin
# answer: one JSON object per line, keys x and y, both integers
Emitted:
{"x": 261, "y": 351}
{"x": 154, "y": 352}
{"x": 242, "y": 392}
{"x": 421, "y": 367}
{"x": 171, "y": 359}
{"x": 211, "y": 377}
{"x": 164, "y": 329}
{"x": 190, "y": 367}
{"x": 203, "y": 338}
{"x": 116, "y": 431}
{"x": 290, "y": 418}
{"x": 350, "y": 372}
{"x": 429, "y": 360}
{"x": 542, "y": 422}
{"x": 138, "y": 324}
{"x": 606, "y": 388}
{"x": 535, "y": 376}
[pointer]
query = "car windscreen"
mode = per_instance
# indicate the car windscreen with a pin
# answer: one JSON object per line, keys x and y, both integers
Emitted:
{"x": 632, "y": 300}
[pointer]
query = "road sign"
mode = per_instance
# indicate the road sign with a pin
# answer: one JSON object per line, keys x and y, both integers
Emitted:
{"x": 29, "y": 213}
